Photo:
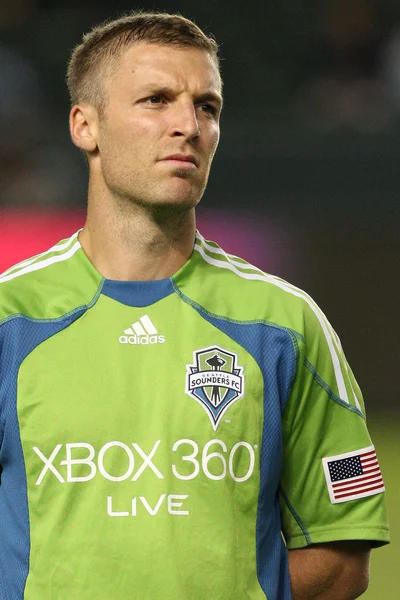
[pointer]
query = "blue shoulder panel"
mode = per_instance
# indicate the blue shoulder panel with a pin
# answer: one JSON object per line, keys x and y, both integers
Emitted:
{"x": 274, "y": 351}
{"x": 18, "y": 338}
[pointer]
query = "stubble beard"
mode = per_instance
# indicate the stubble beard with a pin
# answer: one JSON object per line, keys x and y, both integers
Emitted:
{"x": 161, "y": 197}
{"x": 161, "y": 204}
{"x": 170, "y": 195}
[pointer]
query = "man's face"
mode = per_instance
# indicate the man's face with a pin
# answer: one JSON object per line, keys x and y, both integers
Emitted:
{"x": 162, "y": 102}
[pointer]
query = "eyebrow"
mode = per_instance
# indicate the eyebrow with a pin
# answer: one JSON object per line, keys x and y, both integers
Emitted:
{"x": 168, "y": 91}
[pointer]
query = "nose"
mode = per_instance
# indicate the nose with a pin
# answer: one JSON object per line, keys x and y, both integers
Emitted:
{"x": 184, "y": 122}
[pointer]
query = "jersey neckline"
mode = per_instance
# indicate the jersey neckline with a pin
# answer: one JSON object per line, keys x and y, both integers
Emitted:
{"x": 137, "y": 293}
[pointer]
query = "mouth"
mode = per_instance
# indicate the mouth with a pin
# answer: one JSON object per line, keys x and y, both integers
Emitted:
{"x": 181, "y": 161}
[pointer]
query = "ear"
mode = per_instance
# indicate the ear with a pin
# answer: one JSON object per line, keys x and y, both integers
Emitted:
{"x": 83, "y": 126}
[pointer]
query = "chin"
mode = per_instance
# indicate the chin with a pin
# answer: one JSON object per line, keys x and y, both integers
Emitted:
{"x": 180, "y": 194}
{"x": 176, "y": 204}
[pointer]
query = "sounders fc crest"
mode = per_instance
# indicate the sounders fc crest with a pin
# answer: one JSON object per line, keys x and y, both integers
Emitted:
{"x": 215, "y": 380}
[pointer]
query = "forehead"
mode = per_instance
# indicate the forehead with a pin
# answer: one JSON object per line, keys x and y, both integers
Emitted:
{"x": 188, "y": 68}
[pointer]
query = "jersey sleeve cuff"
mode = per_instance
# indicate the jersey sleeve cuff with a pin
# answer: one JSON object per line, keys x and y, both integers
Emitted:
{"x": 378, "y": 536}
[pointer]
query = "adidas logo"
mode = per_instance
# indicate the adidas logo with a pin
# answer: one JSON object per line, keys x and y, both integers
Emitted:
{"x": 142, "y": 332}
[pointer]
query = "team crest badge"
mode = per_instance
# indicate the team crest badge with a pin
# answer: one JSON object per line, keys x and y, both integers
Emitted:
{"x": 215, "y": 381}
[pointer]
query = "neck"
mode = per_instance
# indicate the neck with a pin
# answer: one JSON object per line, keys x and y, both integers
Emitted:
{"x": 128, "y": 242}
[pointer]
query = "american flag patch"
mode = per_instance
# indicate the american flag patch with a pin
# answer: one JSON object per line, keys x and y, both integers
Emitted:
{"x": 353, "y": 475}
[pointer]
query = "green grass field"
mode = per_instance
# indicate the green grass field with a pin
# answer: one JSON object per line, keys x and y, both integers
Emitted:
{"x": 385, "y": 569}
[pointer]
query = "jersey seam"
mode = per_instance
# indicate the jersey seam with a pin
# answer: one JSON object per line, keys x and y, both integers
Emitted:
{"x": 56, "y": 319}
{"x": 305, "y": 533}
{"x": 296, "y": 351}
{"x": 329, "y": 391}
{"x": 196, "y": 305}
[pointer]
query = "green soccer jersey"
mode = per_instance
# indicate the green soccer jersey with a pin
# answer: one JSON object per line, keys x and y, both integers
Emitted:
{"x": 169, "y": 440}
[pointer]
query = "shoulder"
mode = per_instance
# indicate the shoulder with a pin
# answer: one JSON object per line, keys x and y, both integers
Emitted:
{"x": 247, "y": 292}
{"x": 45, "y": 286}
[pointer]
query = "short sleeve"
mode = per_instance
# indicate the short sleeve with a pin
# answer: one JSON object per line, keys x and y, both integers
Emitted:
{"x": 330, "y": 488}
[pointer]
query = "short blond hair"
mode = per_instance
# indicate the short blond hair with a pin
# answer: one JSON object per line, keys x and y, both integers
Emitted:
{"x": 95, "y": 57}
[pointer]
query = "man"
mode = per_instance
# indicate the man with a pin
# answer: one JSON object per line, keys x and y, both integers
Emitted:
{"x": 166, "y": 409}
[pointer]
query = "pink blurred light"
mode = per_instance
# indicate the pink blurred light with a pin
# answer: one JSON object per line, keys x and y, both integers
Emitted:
{"x": 26, "y": 233}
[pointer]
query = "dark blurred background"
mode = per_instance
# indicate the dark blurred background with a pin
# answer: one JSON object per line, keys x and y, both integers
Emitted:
{"x": 305, "y": 182}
